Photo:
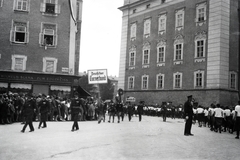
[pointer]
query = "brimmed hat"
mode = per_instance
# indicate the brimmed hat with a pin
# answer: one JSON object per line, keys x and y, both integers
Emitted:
{"x": 190, "y": 96}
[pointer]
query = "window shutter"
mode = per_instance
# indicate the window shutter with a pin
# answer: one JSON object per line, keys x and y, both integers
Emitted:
{"x": 57, "y": 8}
{"x": 14, "y": 5}
{"x": 12, "y": 36}
{"x": 55, "y": 39}
{"x": 41, "y": 39}
{"x": 43, "y": 7}
{"x": 27, "y": 37}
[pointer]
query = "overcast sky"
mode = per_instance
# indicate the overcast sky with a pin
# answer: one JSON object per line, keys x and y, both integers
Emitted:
{"x": 101, "y": 35}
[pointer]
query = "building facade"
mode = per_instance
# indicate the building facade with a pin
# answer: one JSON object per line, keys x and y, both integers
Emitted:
{"x": 174, "y": 48}
{"x": 39, "y": 46}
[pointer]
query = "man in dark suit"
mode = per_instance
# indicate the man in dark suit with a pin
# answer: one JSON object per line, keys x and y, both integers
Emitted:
{"x": 188, "y": 114}
{"x": 140, "y": 110}
{"x": 28, "y": 111}
{"x": 75, "y": 110}
{"x": 44, "y": 108}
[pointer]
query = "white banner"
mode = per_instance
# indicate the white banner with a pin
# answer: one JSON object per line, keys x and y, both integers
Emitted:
{"x": 98, "y": 76}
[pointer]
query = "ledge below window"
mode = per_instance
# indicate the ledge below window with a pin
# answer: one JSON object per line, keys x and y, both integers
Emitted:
{"x": 145, "y": 66}
{"x": 131, "y": 68}
{"x": 200, "y": 23}
{"x": 160, "y": 64}
{"x": 199, "y": 60}
{"x": 177, "y": 62}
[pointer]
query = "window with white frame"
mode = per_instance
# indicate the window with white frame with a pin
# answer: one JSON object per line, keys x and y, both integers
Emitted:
{"x": 21, "y": 5}
{"x": 199, "y": 79}
{"x": 19, "y": 32}
{"x": 50, "y": 7}
{"x": 200, "y": 45}
{"x": 147, "y": 27}
{"x": 201, "y": 15}
{"x": 145, "y": 82}
{"x": 49, "y": 65}
{"x": 233, "y": 80}
{"x": 132, "y": 55}
{"x": 161, "y": 51}
{"x": 19, "y": 62}
{"x": 160, "y": 81}
{"x": 133, "y": 31}
{"x": 178, "y": 48}
{"x": 162, "y": 23}
{"x": 48, "y": 35}
{"x": 131, "y": 82}
{"x": 179, "y": 16}
{"x": 146, "y": 54}
{"x": 1, "y": 3}
{"x": 177, "y": 80}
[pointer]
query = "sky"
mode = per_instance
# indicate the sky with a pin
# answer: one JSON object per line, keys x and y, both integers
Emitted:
{"x": 101, "y": 36}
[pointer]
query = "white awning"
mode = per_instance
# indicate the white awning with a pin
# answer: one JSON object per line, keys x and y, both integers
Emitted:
{"x": 3, "y": 85}
{"x": 21, "y": 86}
{"x": 61, "y": 88}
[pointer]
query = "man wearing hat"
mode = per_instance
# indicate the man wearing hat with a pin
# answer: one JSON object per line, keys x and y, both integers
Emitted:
{"x": 188, "y": 114}
{"x": 140, "y": 110}
{"x": 44, "y": 108}
{"x": 164, "y": 111}
{"x": 75, "y": 110}
{"x": 28, "y": 111}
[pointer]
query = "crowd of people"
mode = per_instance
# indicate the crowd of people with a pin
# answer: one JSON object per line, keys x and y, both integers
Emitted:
{"x": 27, "y": 108}
{"x": 217, "y": 118}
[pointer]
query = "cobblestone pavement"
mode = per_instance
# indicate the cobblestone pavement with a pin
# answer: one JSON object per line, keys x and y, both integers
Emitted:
{"x": 151, "y": 139}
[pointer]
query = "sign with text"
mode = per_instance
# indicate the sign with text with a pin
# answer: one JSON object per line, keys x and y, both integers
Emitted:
{"x": 98, "y": 76}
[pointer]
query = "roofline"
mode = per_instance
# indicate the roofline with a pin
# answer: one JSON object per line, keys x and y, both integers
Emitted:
{"x": 134, "y": 4}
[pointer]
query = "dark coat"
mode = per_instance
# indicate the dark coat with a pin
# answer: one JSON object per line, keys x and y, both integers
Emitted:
{"x": 75, "y": 106}
{"x": 28, "y": 109}
{"x": 44, "y": 106}
{"x": 140, "y": 108}
{"x": 188, "y": 109}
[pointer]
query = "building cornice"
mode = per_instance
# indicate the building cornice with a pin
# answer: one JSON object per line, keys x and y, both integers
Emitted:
{"x": 134, "y": 4}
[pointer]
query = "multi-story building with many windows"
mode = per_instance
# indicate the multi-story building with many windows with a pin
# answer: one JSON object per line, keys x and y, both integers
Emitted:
{"x": 174, "y": 48}
{"x": 39, "y": 45}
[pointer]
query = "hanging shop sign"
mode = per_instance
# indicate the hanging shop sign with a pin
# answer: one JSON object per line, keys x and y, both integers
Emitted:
{"x": 98, "y": 76}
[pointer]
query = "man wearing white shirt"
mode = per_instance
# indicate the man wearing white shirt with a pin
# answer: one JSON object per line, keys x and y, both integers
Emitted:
{"x": 237, "y": 117}
{"x": 218, "y": 114}
{"x": 227, "y": 113}
{"x": 200, "y": 115}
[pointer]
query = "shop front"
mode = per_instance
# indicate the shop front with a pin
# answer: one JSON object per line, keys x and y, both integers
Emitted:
{"x": 36, "y": 83}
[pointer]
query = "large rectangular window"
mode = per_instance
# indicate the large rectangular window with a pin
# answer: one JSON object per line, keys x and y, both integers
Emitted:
{"x": 178, "y": 52}
{"x": 200, "y": 48}
{"x": 146, "y": 57}
{"x": 161, "y": 54}
{"x": 233, "y": 80}
{"x": 145, "y": 82}
{"x": 199, "y": 79}
{"x": 48, "y": 35}
{"x": 160, "y": 81}
{"x": 132, "y": 59}
{"x": 147, "y": 27}
{"x": 133, "y": 31}
{"x": 50, "y": 65}
{"x": 19, "y": 62}
{"x": 50, "y": 7}
{"x": 162, "y": 23}
{"x": 177, "y": 80}
{"x": 201, "y": 12}
{"x": 21, "y": 5}
{"x": 19, "y": 32}
{"x": 179, "y": 19}
{"x": 130, "y": 82}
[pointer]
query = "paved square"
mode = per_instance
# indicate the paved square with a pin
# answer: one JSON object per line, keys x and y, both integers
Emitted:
{"x": 151, "y": 139}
